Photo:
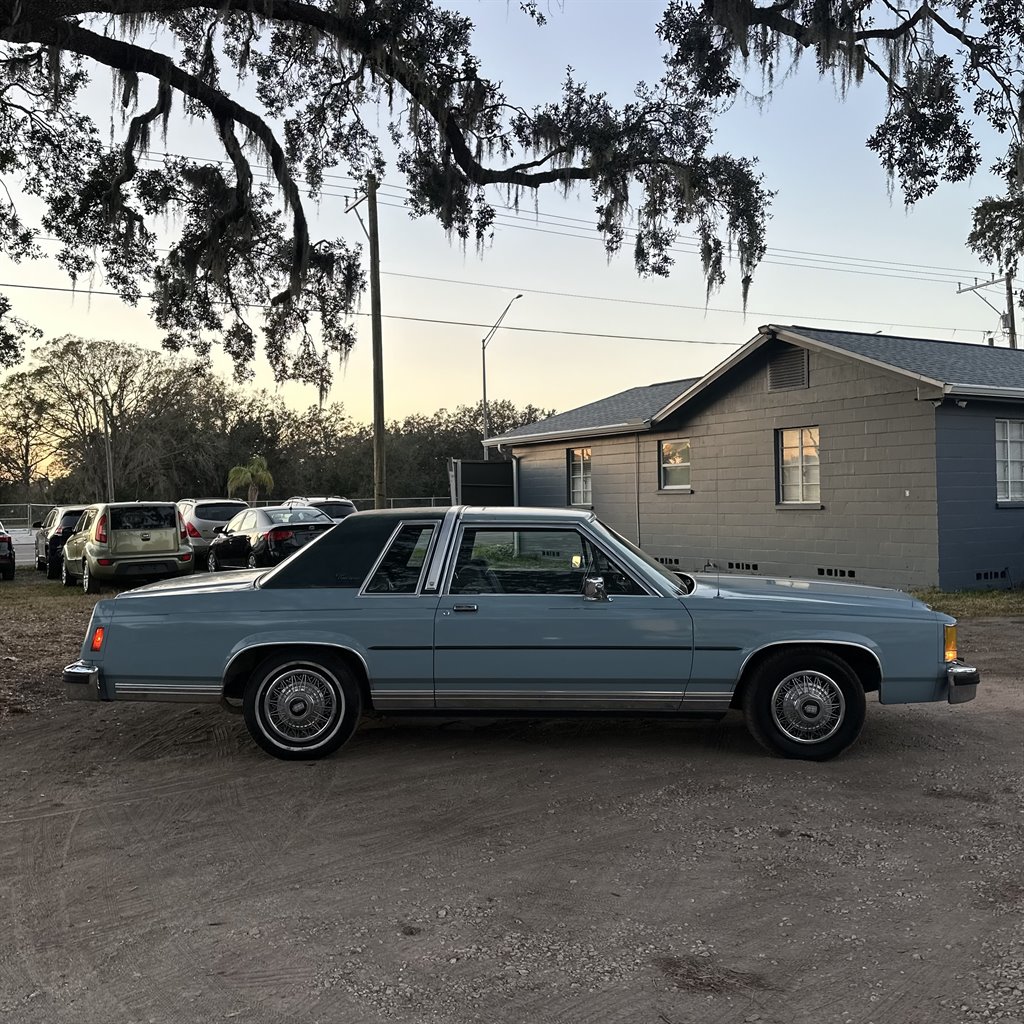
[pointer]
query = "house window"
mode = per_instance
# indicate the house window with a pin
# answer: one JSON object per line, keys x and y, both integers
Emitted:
{"x": 675, "y": 464}
{"x": 1010, "y": 460}
{"x": 799, "y": 479}
{"x": 579, "y": 476}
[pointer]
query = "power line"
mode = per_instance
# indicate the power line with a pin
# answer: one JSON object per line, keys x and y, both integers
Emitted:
{"x": 411, "y": 319}
{"x": 543, "y": 330}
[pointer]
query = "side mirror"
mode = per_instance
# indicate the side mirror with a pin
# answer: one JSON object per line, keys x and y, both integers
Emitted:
{"x": 37, "y": 525}
{"x": 218, "y": 529}
{"x": 593, "y": 589}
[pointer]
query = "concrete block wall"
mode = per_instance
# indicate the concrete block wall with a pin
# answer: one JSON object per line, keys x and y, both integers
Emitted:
{"x": 878, "y": 518}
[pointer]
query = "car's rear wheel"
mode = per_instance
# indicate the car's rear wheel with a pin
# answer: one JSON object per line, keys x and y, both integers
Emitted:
{"x": 89, "y": 584}
{"x": 53, "y": 565}
{"x": 253, "y": 564}
{"x": 300, "y": 706}
{"x": 40, "y": 563}
{"x": 804, "y": 703}
{"x": 67, "y": 577}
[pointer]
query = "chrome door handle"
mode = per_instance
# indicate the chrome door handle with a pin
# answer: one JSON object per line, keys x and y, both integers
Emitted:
{"x": 464, "y": 608}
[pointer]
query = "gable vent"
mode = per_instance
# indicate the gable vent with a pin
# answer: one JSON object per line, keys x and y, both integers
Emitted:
{"x": 788, "y": 369}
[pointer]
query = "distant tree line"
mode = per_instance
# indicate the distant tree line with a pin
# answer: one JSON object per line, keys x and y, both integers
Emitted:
{"x": 174, "y": 429}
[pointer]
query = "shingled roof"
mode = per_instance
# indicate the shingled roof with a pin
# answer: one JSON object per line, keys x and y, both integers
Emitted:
{"x": 951, "y": 363}
{"x": 625, "y": 412}
{"x": 955, "y": 367}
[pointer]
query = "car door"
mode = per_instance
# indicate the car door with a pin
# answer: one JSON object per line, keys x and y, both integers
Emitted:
{"x": 514, "y": 628}
{"x": 233, "y": 550}
{"x": 74, "y": 549}
{"x": 42, "y": 538}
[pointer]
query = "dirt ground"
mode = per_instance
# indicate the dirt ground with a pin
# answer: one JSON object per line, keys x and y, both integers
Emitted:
{"x": 156, "y": 867}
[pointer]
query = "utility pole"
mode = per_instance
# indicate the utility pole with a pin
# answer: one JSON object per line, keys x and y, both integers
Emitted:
{"x": 106, "y": 447}
{"x": 379, "y": 468}
{"x": 1011, "y": 321}
{"x": 1007, "y": 320}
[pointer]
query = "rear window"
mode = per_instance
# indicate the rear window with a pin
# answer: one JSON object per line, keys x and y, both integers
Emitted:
{"x": 336, "y": 509}
{"x": 144, "y": 517}
{"x": 217, "y": 512}
{"x": 71, "y": 517}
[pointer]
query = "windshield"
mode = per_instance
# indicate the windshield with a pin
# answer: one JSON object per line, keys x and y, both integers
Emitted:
{"x": 298, "y": 515}
{"x": 651, "y": 563}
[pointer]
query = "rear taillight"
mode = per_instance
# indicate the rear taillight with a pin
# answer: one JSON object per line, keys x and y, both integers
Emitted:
{"x": 97, "y": 638}
{"x": 276, "y": 536}
{"x": 182, "y": 532}
{"x": 192, "y": 531}
{"x": 100, "y": 534}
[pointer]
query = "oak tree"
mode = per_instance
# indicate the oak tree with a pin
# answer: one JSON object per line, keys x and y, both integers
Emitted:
{"x": 948, "y": 67}
{"x": 298, "y": 87}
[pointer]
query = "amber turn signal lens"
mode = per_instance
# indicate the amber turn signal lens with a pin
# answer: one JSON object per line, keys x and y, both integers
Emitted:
{"x": 97, "y": 639}
{"x": 950, "y": 638}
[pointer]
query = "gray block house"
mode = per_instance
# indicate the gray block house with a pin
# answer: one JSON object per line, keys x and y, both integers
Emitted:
{"x": 807, "y": 453}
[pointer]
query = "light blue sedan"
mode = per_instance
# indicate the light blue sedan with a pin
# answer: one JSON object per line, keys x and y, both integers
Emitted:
{"x": 500, "y": 610}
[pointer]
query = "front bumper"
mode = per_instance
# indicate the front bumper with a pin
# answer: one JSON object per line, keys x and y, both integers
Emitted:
{"x": 963, "y": 682}
{"x": 82, "y": 681}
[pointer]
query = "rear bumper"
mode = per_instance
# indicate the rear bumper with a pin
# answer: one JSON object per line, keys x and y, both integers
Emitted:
{"x": 82, "y": 681}
{"x": 963, "y": 682}
{"x": 144, "y": 568}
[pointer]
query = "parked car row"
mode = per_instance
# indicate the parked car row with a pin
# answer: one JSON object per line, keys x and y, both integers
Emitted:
{"x": 130, "y": 542}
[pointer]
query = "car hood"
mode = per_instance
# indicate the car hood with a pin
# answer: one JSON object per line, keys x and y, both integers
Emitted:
{"x": 200, "y": 583}
{"x": 823, "y": 591}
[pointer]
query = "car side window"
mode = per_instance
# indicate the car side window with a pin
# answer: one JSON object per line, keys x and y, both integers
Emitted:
{"x": 248, "y": 521}
{"x": 495, "y": 561}
{"x": 399, "y": 571}
{"x": 48, "y": 521}
{"x": 236, "y": 523}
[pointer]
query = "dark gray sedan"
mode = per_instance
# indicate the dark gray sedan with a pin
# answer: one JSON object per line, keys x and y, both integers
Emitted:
{"x": 260, "y": 537}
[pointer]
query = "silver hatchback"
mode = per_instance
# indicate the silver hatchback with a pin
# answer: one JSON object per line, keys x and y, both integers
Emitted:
{"x": 202, "y": 516}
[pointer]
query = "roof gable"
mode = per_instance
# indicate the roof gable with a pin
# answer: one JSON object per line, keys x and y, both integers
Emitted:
{"x": 956, "y": 367}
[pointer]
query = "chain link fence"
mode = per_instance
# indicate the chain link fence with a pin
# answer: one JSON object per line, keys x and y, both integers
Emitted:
{"x": 16, "y": 517}
{"x": 21, "y": 517}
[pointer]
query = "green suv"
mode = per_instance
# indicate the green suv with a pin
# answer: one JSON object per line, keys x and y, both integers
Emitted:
{"x": 127, "y": 542}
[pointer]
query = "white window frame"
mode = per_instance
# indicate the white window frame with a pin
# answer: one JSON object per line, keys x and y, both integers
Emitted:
{"x": 808, "y": 482}
{"x": 663, "y": 465}
{"x": 580, "y": 461}
{"x": 1009, "y": 460}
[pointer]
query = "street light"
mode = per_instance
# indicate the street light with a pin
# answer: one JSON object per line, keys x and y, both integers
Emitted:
{"x": 483, "y": 363}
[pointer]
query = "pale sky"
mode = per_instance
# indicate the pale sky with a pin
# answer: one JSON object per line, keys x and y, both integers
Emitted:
{"x": 842, "y": 253}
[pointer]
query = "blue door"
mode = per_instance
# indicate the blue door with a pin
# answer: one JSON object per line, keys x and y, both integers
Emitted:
{"x": 514, "y": 629}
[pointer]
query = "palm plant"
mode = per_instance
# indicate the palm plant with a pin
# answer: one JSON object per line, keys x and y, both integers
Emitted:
{"x": 254, "y": 476}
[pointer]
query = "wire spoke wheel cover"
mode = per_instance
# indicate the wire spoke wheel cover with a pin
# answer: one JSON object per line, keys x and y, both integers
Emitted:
{"x": 804, "y": 702}
{"x": 808, "y": 707}
{"x": 301, "y": 705}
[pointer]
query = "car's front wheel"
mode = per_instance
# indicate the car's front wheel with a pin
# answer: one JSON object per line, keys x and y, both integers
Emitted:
{"x": 804, "y": 703}
{"x": 300, "y": 706}
{"x": 211, "y": 561}
{"x": 66, "y": 576}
